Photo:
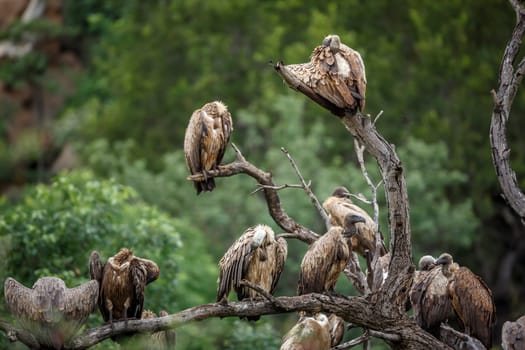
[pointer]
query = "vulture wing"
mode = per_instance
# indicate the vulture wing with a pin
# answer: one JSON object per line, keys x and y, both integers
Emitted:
{"x": 323, "y": 262}
{"x": 473, "y": 303}
{"x": 281, "y": 252}
{"x": 234, "y": 264}
{"x": 95, "y": 267}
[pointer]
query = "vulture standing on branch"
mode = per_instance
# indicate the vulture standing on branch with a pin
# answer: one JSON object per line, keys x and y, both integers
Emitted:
{"x": 335, "y": 74}
{"x": 49, "y": 310}
{"x": 123, "y": 279}
{"x": 513, "y": 334}
{"x": 205, "y": 141}
{"x": 324, "y": 260}
{"x": 339, "y": 206}
{"x": 429, "y": 296}
{"x": 161, "y": 340}
{"x": 257, "y": 257}
{"x": 471, "y": 299}
{"x": 309, "y": 333}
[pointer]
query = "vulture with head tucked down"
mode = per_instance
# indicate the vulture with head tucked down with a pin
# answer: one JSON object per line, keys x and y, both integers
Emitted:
{"x": 429, "y": 296}
{"x": 513, "y": 334}
{"x": 205, "y": 141}
{"x": 339, "y": 206}
{"x": 324, "y": 260}
{"x": 336, "y": 329}
{"x": 309, "y": 333}
{"x": 49, "y": 310}
{"x": 123, "y": 279}
{"x": 471, "y": 299}
{"x": 257, "y": 257}
{"x": 335, "y": 73}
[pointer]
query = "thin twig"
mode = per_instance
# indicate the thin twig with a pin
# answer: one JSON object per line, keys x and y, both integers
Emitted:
{"x": 258, "y": 289}
{"x": 308, "y": 190}
{"x": 277, "y": 188}
{"x": 385, "y": 336}
{"x": 377, "y": 117}
{"x": 354, "y": 342}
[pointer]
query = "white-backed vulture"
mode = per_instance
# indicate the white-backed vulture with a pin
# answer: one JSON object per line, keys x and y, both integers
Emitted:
{"x": 324, "y": 260}
{"x": 205, "y": 141}
{"x": 255, "y": 256}
{"x": 429, "y": 296}
{"x": 309, "y": 333}
{"x": 123, "y": 279}
{"x": 49, "y": 310}
{"x": 161, "y": 340}
{"x": 336, "y": 73}
{"x": 513, "y": 334}
{"x": 471, "y": 299}
{"x": 339, "y": 206}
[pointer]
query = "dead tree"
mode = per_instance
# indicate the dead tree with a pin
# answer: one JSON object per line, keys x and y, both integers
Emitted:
{"x": 381, "y": 312}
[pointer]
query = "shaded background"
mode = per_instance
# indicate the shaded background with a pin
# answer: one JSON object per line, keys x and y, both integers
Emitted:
{"x": 92, "y": 120}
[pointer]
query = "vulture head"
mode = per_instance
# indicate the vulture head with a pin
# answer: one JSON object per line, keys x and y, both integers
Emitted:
{"x": 426, "y": 262}
{"x": 447, "y": 263}
{"x": 349, "y": 224}
{"x": 333, "y": 42}
{"x": 341, "y": 192}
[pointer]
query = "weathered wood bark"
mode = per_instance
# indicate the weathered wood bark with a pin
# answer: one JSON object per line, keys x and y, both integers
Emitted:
{"x": 403, "y": 333}
{"x": 510, "y": 77}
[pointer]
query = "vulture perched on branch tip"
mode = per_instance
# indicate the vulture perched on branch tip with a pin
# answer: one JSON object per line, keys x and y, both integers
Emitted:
{"x": 205, "y": 141}
{"x": 335, "y": 76}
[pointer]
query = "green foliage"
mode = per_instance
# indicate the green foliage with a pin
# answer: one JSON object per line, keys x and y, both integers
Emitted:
{"x": 257, "y": 336}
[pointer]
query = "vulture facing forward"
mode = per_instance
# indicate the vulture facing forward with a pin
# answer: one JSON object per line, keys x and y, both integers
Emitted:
{"x": 429, "y": 296}
{"x": 335, "y": 73}
{"x": 123, "y": 279}
{"x": 309, "y": 333}
{"x": 49, "y": 310}
{"x": 324, "y": 260}
{"x": 256, "y": 256}
{"x": 205, "y": 141}
{"x": 513, "y": 334}
{"x": 339, "y": 206}
{"x": 471, "y": 299}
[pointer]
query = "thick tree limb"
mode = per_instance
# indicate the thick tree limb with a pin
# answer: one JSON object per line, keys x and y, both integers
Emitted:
{"x": 509, "y": 80}
{"x": 401, "y": 268}
{"x": 242, "y": 166}
{"x": 17, "y": 334}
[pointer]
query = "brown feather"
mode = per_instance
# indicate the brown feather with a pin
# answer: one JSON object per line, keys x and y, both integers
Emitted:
{"x": 124, "y": 279}
{"x": 336, "y": 73}
{"x": 324, "y": 260}
{"x": 261, "y": 264}
{"x": 49, "y": 310}
{"x": 339, "y": 206}
{"x": 513, "y": 334}
{"x": 473, "y": 303}
{"x": 205, "y": 141}
{"x": 336, "y": 329}
{"x": 430, "y": 300}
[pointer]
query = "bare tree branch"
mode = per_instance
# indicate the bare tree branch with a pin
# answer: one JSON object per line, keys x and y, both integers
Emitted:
{"x": 404, "y": 332}
{"x": 242, "y": 166}
{"x": 354, "y": 342}
{"x": 354, "y": 273}
{"x": 401, "y": 269}
{"x": 17, "y": 334}
{"x": 509, "y": 81}
{"x": 308, "y": 190}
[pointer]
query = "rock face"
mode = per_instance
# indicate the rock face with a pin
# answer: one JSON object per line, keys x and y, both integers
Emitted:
{"x": 30, "y": 101}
